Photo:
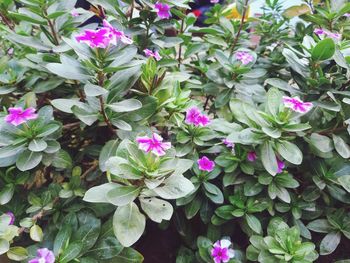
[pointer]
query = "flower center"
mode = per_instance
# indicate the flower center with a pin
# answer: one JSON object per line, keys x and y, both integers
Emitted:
{"x": 42, "y": 260}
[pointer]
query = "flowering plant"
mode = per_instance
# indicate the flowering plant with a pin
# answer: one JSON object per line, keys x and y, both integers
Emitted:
{"x": 165, "y": 131}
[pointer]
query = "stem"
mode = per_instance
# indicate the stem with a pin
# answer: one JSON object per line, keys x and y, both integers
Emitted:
{"x": 180, "y": 48}
{"x": 245, "y": 8}
{"x": 6, "y": 21}
{"x": 132, "y": 9}
{"x": 93, "y": 167}
{"x": 101, "y": 80}
{"x": 52, "y": 29}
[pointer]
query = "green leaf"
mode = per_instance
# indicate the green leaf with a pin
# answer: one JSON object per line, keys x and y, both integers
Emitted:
{"x": 62, "y": 160}
{"x": 86, "y": 115}
{"x": 128, "y": 224}
{"x": 106, "y": 248}
{"x": 88, "y": 233}
{"x": 253, "y": 223}
{"x": 67, "y": 71}
{"x": 123, "y": 195}
{"x": 268, "y": 158}
{"x": 128, "y": 255}
{"x": 66, "y": 105}
{"x": 37, "y": 145}
{"x": 71, "y": 252}
{"x": 320, "y": 226}
{"x": 174, "y": 187}
{"x": 156, "y": 209}
{"x": 213, "y": 193}
{"x": 108, "y": 150}
{"x": 4, "y": 246}
{"x": 345, "y": 182}
{"x": 125, "y": 105}
{"x": 274, "y": 101}
{"x": 290, "y": 152}
{"x": 27, "y": 160}
{"x": 321, "y": 142}
{"x": 62, "y": 239}
{"x": 94, "y": 90}
{"x": 329, "y": 243}
{"x": 36, "y": 233}
{"x": 97, "y": 194}
{"x": 323, "y": 50}
{"x": 17, "y": 253}
{"x": 341, "y": 147}
{"x": 6, "y": 194}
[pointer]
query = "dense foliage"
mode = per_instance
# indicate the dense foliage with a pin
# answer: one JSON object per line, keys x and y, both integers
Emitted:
{"x": 235, "y": 133}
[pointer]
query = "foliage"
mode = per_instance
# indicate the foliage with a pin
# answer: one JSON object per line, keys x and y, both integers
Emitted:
{"x": 234, "y": 134}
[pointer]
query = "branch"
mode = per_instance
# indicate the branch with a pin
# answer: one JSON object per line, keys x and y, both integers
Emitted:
{"x": 245, "y": 8}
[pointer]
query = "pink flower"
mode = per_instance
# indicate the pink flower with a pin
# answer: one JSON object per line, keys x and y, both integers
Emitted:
{"x": 12, "y": 216}
{"x": 221, "y": 252}
{"x": 195, "y": 117}
{"x": 228, "y": 143}
{"x": 251, "y": 156}
{"x": 280, "y": 166}
{"x": 18, "y": 116}
{"x": 321, "y": 31}
{"x": 203, "y": 120}
{"x": 335, "y": 36}
{"x": 297, "y": 104}
{"x": 214, "y": 1}
{"x": 116, "y": 35}
{"x": 245, "y": 57}
{"x": 150, "y": 53}
{"x": 95, "y": 38}
{"x": 163, "y": 10}
{"x": 347, "y": 15}
{"x": 74, "y": 13}
{"x": 154, "y": 144}
{"x": 204, "y": 164}
{"x": 43, "y": 256}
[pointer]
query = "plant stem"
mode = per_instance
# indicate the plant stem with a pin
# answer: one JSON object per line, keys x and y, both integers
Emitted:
{"x": 132, "y": 9}
{"x": 245, "y": 8}
{"x": 180, "y": 48}
{"x": 52, "y": 28}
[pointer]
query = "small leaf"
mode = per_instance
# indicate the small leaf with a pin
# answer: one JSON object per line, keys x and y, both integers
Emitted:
{"x": 128, "y": 224}
{"x": 323, "y": 50}
{"x": 125, "y": 105}
{"x": 27, "y": 160}
{"x": 329, "y": 243}
{"x": 268, "y": 158}
{"x": 36, "y": 233}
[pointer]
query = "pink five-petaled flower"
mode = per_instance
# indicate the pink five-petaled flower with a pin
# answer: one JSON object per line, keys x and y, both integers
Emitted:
{"x": 347, "y": 15}
{"x": 43, "y": 256}
{"x": 245, "y": 57}
{"x": 163, "y": 10}
{"x": 116, "y": 35}
{"x": 150, "y": 53}
{"x": 221, "y": 252}
{"x": 280, "y": 166}
{"x": 297, "y": 104}
{"x": 204, "y": 164}
{"x": 12, "y": 217}
{"x": 214, "y": 1}
{"x": 251, "y": 156}
{"x": 154, "y": 144}
{"x": 228, "y": 143}
{"x": 95, "y": 38}
{"x": 18, "y": 116}
{"x": 195, "y": 117}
